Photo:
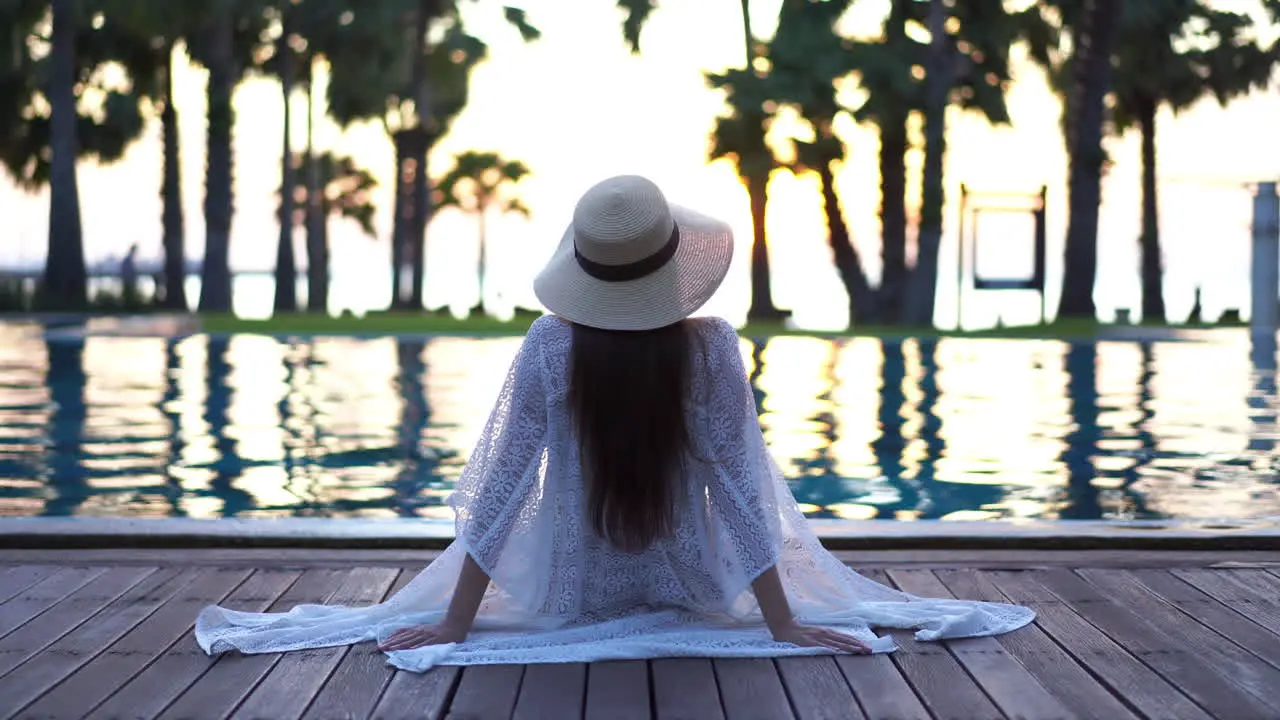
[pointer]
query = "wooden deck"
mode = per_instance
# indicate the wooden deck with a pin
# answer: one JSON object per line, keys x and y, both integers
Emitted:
{"x": 107, "y": 634}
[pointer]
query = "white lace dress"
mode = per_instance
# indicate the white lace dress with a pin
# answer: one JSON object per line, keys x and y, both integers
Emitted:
{"x": 561, "y": 594}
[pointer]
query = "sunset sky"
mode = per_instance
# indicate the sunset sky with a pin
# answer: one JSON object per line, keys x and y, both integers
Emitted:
{"x": 576, "y": 106}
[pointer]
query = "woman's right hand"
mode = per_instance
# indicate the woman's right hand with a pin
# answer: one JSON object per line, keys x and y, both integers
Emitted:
{"x": 810, "y": 636}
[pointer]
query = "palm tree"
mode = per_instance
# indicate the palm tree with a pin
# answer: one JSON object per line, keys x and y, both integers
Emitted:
{"x": 173, "y": 219}
{"x": 884, "y": 70}
{"x": 65, "y": 277}
{"x": 343, "y": 189}
{"x": 939, "y": 77}
{"x": 1093, "y": 37}
{"x": 44, "y": 129}
{"x": 968, "y": 56}
{"x": 224, "y": 73}
{"x": 286, "y": 275}
{"x": 415, "y": 82}
{"x": 155, "y": 31}
{"x": 806, "y": 58}
{"x": 740, "y": 136}
{"x": 1174, "y": 52}
{"x": 477, "y": 184}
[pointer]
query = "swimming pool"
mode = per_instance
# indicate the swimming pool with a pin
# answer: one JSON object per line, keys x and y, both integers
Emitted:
{"x": 252, "y": 426}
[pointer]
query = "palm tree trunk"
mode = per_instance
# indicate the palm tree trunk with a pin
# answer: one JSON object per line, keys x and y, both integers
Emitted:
{"x": 286, "y": 299}
{"x": 65, "y": 277}
{"x": 893, "y": 180}
{"x": 848, "y": 265}
{"x": 1092, "y": 80}
{"x": 175, "y": 253}
{"x": 762, "y": 307}
{"x": 482, "y": 265}
{"x": 215, "y": 274}
{"x": 757, "y": 182}
{"x": 416, "y": 250}
{"x": 1152, "y": 265}
{"x": 317, "y": 242}
{"x": 400, "y": 222}
{"x": 893, "y": 216}
{"x": 938, "y": 81}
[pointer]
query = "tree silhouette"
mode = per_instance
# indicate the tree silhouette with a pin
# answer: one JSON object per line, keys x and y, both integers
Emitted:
{"x": 479, "y": 183}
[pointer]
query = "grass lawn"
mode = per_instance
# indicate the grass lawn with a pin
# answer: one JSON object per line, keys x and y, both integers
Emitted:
{"x": 382, "y": 323}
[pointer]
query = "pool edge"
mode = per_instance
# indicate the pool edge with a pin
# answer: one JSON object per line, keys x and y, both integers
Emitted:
{"x": 79, "y": 532}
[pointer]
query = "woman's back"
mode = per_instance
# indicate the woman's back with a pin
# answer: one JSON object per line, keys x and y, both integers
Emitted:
{"x": 720, "y": 534}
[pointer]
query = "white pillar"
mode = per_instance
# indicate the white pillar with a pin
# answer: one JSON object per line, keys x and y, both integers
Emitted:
{"x": 1266, "y": 259}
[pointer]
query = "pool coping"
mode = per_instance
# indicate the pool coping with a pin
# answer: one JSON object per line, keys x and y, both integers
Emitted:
{"x": 418, "y": 533}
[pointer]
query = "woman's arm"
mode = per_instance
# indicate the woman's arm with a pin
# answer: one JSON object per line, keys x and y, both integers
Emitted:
{"x": 472, "y": 582}
{"x": 467, "y": 594}
{"x": 782, "y": 624}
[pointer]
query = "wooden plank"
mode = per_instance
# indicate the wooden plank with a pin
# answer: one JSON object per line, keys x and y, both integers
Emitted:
{"x": 183, "y": 662}
{"x": 817, "y": 689}
{"x": 232, "y": 676}
{"x": 618, "y": 690}
{"x": 415, "y": 696}
{"x": 751, "y": 689}
{"x": 1239, "y": 627}
{"x": 71, "y": 652}
{"x": 877, "y": 682}
{"x": 43, "y": 595}
{"x": 552, "y": 690}
{"x": 943, "y": 686}
{"x": 486, "y": 692}
{"x": 1248, "y": 668}
{"x": 14, "y": 580}
{"x": 82, "y": 691}
{"x": 1182, "y": 650}
{"x": 63, "y": 618}
{"x": 1013, "y": 689}
{"x": 1062, "y": 676}
{"x": 356, "y": 684}
{"x": 290, "y": 685}
{"x": 685, "y": 689}
{"x": 1140, "y": 686}
{"x": 880, "y": 688}
{"x": 1226, "y": 589}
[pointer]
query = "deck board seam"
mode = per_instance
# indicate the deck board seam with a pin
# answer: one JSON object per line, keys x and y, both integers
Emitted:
{"x": 1209, "y": 628}
{"x": 220, "y": 657}
{"x": 1073, "y": 657}
{"x": 88, "y": 657}
{"x": 1118, "y": 642}
{"x": 185, "y": 637}
{"x": 954, "y": 656}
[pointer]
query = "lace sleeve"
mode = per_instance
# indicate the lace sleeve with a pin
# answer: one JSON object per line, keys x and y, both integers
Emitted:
{"x": 741, "y": 491}
{"x": 498, "y": 490}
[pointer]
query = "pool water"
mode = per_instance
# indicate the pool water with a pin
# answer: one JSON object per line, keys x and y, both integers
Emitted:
{"x": 954, "y": 429}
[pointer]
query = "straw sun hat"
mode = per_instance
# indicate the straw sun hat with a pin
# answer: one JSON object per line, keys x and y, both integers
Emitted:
{"x": 632, "y": 261}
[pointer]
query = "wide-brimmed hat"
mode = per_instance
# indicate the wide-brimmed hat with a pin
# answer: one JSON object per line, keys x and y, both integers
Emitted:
{"x": 632, "y": 261}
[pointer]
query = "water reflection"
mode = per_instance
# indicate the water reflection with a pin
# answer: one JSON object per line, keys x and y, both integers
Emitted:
{"x": 249, "y": 426}
{"x": 227, "y": 465}
{"x": 1081, "y": 443}
{"x": 65, "y": 477}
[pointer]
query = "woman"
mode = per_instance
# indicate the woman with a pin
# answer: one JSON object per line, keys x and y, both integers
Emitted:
{"x": 621, "y": 502}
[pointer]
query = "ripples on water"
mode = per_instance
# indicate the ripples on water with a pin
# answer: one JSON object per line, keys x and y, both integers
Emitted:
{"x": 963, "y": 429}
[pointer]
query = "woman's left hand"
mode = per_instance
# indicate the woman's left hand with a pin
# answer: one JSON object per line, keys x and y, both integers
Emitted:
{"x": 420, "y": 635}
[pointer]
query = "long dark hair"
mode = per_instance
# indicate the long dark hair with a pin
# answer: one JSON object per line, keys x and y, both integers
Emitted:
{"x": 626, "y": 394}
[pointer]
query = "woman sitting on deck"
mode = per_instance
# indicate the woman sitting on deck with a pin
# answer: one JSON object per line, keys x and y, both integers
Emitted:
{"x": 621, "y": 502}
